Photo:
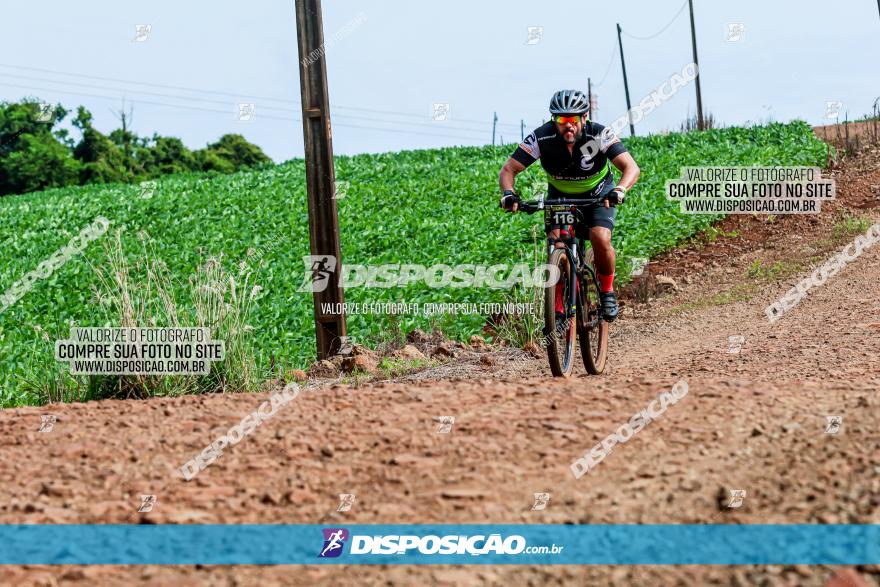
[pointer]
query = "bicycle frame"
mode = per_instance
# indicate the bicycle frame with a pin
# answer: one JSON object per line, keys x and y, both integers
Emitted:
{"x": 579, "y": 268}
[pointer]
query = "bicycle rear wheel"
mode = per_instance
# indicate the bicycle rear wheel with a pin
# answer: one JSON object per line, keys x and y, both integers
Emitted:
{"x": 592, "y": 329}
{"x": 560, "y": 337}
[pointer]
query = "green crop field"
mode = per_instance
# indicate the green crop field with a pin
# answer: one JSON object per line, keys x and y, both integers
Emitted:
{"x": 420, "y": 207}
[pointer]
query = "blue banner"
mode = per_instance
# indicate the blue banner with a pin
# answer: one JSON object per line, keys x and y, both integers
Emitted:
{"x": 518, "y": 544}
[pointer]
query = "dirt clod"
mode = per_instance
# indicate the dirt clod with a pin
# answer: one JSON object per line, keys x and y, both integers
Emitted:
{"x": 410, "y": 352}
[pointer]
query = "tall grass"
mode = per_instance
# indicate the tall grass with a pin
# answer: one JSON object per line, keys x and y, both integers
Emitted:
{"x": 520, "y": 329}
{"x": 141, "y": 294}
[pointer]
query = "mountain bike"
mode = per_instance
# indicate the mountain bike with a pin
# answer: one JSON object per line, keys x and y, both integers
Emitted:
{"x": 580, "y": 292}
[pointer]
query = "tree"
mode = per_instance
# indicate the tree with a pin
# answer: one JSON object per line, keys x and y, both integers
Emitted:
{"x": 123, "y": 137}
{"x": 134, "y": 149}
{"x": 32, "y": 157}
{"x": 231, "y": 153}
{"x": 167, "y": 155}
{"x": 102, "y": 160}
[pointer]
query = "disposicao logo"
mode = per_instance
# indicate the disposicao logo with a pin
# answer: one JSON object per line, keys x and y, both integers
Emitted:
{"x": 334, "y": 542}
{"x": 432, "y": 544}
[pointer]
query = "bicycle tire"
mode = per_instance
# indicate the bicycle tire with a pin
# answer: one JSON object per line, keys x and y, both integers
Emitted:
{"x": 560, "y": 366}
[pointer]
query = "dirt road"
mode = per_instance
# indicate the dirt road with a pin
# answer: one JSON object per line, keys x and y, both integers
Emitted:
{"x": 755, "y": 419}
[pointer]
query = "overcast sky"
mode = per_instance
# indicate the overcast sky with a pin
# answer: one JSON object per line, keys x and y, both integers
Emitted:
{"x": 201, "y": 59}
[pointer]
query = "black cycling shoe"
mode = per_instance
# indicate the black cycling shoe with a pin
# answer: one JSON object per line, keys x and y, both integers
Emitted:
{"x": 609, "y": 305}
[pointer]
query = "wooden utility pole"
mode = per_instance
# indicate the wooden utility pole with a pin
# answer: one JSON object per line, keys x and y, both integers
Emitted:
{"x": 320, "y": 176}
{"x": 494, "y": 121}
{"x": 590, "y": 96}
{"x": 522, "y": 128}
{"x": 632, "y": 129}
{"x": 700, "y": 121}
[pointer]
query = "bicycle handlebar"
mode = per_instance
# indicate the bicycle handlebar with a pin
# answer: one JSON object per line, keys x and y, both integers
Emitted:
{"x": 532, "y": 206}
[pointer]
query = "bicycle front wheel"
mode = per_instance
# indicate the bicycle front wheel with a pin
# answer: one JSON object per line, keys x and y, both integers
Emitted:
{"x": 560, "y": 335}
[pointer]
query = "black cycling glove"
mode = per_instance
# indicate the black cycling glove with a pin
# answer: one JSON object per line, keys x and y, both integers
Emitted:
{"x": 616, "y": 196}
{"x": 508, "y": 199}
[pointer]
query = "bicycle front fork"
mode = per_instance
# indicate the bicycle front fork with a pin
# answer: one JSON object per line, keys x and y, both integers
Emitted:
{"x": 573, "y": 287}
{"x": 570, "y": 305}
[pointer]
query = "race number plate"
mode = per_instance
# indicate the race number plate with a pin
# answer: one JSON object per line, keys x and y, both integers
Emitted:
{"x": 558, "y": 215}
{"x": 563, "y": 218}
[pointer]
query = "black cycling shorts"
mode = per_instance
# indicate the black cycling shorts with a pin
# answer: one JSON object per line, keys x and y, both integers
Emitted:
{"x": 594, "y": 210}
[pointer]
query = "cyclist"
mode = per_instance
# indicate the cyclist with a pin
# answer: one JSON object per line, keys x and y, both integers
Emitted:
{"x": 577, "y": 153}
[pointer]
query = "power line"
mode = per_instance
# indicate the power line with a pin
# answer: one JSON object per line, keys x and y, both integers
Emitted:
{"x": 409, "y": 114}
{"x": 607, "y": 69}
{"x": 228, "y": 103}
{"x": 661, "y": 31}
{"x": 235, "y": 95}
{"x": 408, "y": 132}
{"x": 227, "y": 112}
{"x": 75, "y": 93}
{"x": 117, "y": 80}
{"x": 144, "y": 92}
